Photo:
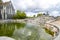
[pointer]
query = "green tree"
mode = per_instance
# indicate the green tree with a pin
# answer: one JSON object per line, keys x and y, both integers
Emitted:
{"x": 34, "y": 16}
{"x": 39, "y": 15}
{"x": 23, "y": 15}
{"x": 19, "y": 15}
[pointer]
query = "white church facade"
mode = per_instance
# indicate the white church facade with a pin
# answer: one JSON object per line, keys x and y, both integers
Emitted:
{"x": 6, "y": 10}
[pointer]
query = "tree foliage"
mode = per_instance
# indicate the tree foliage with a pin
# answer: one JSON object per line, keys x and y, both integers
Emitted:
{"x": 34, "y": 16}
{"x": 39, "y": 15}
{"x": 19, "y": 15}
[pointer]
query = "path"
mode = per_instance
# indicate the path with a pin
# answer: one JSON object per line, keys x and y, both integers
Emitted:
{"x": 57, "y": 23}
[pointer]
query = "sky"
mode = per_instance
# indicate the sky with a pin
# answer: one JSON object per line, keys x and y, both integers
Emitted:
{"x": 32, "y": 7}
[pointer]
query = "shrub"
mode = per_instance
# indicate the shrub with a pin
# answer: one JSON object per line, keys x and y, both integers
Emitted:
{"x": 49, "y": 32}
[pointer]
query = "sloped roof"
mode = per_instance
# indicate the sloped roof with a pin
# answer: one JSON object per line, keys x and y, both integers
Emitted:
{"x": 4, "y": 3}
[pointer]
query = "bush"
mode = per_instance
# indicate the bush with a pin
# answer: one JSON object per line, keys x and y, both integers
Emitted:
{"x": 39, "y": 15}
{"x": 19, "y": 15}
{"x": 49, "y": 32}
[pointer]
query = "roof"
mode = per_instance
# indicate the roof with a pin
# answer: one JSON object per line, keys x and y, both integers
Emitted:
{"x": 5, "y": 3}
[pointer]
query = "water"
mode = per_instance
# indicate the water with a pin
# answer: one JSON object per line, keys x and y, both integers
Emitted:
{"x": 7, "y": 29}
{"x": 24, "y": 31}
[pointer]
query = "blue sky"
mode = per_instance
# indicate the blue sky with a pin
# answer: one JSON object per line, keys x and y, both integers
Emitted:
{"x": 34, "y": 6}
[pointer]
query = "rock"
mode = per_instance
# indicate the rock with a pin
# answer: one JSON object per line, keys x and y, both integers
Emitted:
{"x": 6, "y": 38}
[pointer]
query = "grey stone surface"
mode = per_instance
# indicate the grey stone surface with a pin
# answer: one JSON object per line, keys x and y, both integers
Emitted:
{"x": 6, "y": 38}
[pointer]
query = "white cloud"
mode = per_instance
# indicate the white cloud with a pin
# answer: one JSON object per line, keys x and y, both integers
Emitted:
{"x": 31, "y": 14}
{"x": 24, "y": 4}
{"x": 44, "y": 4}
{"x": 5, "y": 0}
{"x": 37, "y": 5}
{"x": 55, "y": 13}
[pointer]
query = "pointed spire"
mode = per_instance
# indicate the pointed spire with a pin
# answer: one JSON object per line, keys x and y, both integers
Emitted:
{"x": 47, "y": 12}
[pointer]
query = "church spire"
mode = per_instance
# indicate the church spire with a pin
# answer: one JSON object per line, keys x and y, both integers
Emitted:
{"x": 47, "y": 12}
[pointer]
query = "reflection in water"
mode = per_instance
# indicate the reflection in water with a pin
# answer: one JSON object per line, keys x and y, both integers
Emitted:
{"x": 31, "y": 32}
{"x": 24, "y": 31}
{"x": 7, "y": 29}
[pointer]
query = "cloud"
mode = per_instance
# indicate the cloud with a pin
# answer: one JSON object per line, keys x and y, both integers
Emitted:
{"x": 35, "y": 6}
{"x": 31, "y": 14}
{"x": 5, "y": 0}
{"x": 55, "y": 13}
{"x": 43, "y": 4}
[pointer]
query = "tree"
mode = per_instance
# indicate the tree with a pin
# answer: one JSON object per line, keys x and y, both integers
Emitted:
{"x": 34, "y": 16}
{"x": 22, "y": 15}
{"x": 39, "y": 15}
{"x": 19, "y": 15}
